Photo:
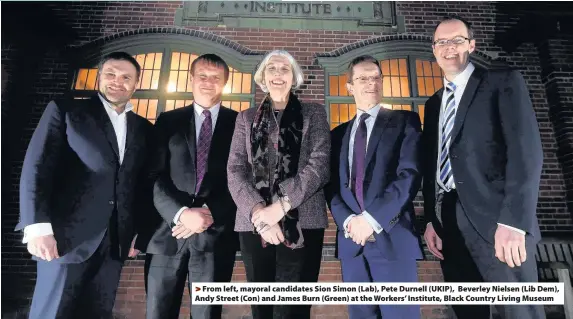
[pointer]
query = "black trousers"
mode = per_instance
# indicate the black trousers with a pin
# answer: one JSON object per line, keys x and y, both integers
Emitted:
{"x": 165, "y": 277}
{"x": 282, "y": 264}
{"x": 468, "y": 257}
{"x": 85, "y": 290}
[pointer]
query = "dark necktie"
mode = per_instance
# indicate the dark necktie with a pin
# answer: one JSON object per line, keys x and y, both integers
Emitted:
{"x": 358, "y": 159}
{"x": 203, "y": 146}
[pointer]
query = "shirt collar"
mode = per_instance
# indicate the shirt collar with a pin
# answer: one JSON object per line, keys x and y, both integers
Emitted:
{"x": 108, "y": 106}
{"x": 462, "y": 79}
{"x": 214, "y": 110}
{"x": 373, "y": 112}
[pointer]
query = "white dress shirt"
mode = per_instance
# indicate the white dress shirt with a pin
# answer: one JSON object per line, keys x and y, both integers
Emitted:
{"x": 373, "y": 112}
{"x": 199, "y": 119}
{"x": 119, "y": 122}
{"x": 460, "y": 81}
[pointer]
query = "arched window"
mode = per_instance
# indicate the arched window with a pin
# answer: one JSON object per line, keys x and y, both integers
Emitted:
{"x": 165, "y": 63}
{"x": 410, "y": 74}
{"x": 407, "y": 83}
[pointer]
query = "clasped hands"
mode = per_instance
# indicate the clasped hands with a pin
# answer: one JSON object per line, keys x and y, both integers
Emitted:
{"x": 509, "y": 245}
{"x": 359, "y": 229}
{"x": 266, "y": 221}
{"x": 192, "y": 221}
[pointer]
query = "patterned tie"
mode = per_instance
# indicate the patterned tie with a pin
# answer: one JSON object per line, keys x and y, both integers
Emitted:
{"x": 203, "y": 147}
{"x": 447, "y": 125}
{"x": 358, "y": 159}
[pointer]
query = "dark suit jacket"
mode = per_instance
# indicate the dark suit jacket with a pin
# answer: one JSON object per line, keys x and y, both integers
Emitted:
{"x": 72, "y": 177}
{"x": 176, "y": 183}
{"x": 392, "y": 179}
{"x": 495, "y": 153}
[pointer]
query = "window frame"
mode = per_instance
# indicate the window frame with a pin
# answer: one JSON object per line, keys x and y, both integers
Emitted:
{"x": 383, "y": 48}
{"x": 414, "y": 99}
{"x": 165, "y": 44}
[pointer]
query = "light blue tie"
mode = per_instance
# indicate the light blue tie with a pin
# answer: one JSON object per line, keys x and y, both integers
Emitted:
{"x": 447, "y": 125}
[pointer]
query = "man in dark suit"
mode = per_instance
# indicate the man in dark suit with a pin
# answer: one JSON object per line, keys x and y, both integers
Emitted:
{"x": 195, "y": 239}
{"x": 82, "y": 188}
{"x": 376, "y": 177}
{"x": 483, "y": 161}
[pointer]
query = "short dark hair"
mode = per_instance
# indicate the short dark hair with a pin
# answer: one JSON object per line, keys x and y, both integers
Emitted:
{"x": 455, "y": 18}
{"x": 120, "y": 56}
{"x": 212, "y": 59}
{"x": 358, "y": 60}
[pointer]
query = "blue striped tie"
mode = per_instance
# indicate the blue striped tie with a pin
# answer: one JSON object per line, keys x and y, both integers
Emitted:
{"x": 447, "y": 125}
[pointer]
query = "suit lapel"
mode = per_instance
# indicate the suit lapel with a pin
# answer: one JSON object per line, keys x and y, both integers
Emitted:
{"x": 102, "y": 118}
{"x": 133, "y": 126}
{"x": 467, "y": 97}
{"x": 376, "y": 135}
{"x": 189, "y": 133}
{"x": 344, "y": 170}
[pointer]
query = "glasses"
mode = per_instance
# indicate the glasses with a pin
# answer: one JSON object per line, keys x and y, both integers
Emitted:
{"x": 455, "y": 41}
{"x": 367, "y": 79}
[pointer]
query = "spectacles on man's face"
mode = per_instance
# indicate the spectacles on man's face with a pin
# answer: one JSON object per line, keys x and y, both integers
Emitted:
{"x": 455, "y": 41}
{"x": 367, "y": 79}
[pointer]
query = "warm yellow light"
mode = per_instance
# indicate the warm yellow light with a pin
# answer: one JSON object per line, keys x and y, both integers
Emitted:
{"x": 227, "y": 89}
{"x": 171, "y": 87}
{"x": 387, "y": 106}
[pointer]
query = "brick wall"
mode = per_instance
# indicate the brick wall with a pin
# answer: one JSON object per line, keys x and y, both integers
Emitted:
{"x": 39, "y": 71}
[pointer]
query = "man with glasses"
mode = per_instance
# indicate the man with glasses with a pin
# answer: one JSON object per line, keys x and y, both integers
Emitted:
{"x": 482, "y": 166}
{"x": 375, "y": 176}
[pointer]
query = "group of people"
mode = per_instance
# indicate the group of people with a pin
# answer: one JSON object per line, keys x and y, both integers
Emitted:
{"x": 99, "y": 184}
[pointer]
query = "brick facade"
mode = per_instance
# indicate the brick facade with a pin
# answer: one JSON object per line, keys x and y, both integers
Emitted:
{"x": 35, "y": 56}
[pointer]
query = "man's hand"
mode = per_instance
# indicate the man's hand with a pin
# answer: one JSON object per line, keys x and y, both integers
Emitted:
{"x": 132, "y": 251}
{"x": 44, "y": 247}
{"x": 268, "y": 216}
{"x": 180, "y": 231}
{"x": 194, "y": 221}
{"x": 359, "y": 230}
{"x": 433, "y": 241}
{"x": 509, "y": 246}
{"x": 273, "y": 235}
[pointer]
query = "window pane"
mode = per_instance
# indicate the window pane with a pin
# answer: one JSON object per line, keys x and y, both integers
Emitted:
{"x": 155, "y": 80}
{"x": 182, "y": 82}
{"x": 180, "y": 67}
{"x": 179, "y": 78}
{"x": 237, "y": 81}
{"x": 149, "y": 78}
{"x": 146, "y": 79}
{"x": 429, "y": 77}
{"x": 247, "y": 79}
{"x": 91, "y": 82}
{"x": 175, "y": 60}
{"x": 150, "y": 67}
{"x": 430, "y": 85}
{"x": 146, "y": 108}
{"x": 342, "y": 79}
{"x": 169, "y": 105}
{"x": 333, "y": 80}
{"x": 340, "y": 113}
{"x": 405, "y": 107}
{"x": 158, "y": 60}
{"x": 236, "y": 105}
{"x": 81, "y": 79}
{"x": 395, "y": 78}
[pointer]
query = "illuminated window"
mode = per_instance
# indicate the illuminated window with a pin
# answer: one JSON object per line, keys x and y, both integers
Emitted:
{"x": 165, "y": 84}
{"x": 406, "y": 85}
